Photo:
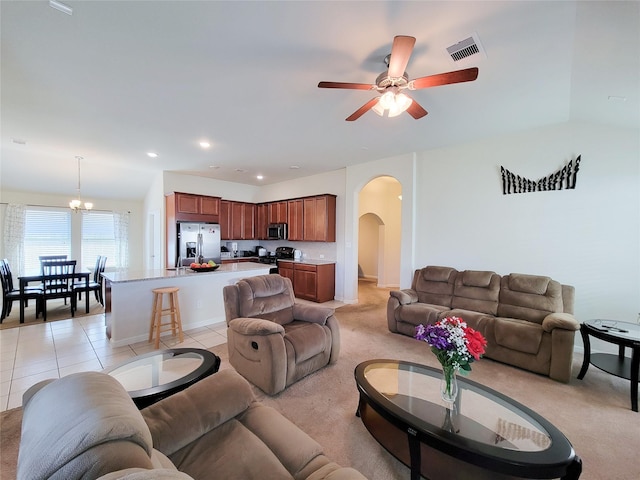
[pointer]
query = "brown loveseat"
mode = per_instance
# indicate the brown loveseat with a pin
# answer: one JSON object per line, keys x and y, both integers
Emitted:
{"x": 527, "y": 319}
{"x": 85, "y": 426}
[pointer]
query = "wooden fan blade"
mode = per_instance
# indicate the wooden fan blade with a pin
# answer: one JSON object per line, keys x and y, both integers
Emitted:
{"x": 459, "y": 76}
{"x": 362, "y": 110}
{"x": 351, "y": 86}
{"x": 416, "y": 110}
{"x": 400, "y": 53}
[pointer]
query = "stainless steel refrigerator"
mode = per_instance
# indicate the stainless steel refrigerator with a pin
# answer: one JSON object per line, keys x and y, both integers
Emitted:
{"x": 197, "y": 240}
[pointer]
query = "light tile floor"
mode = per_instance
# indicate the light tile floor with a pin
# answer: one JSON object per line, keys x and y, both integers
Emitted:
{"x": 37, "y": 352}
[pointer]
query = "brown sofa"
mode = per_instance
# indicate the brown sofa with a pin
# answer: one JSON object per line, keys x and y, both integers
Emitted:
{"x": 85, "y": 426}
{"x": 273, "y": 341}
{"x": 527, "y": 319}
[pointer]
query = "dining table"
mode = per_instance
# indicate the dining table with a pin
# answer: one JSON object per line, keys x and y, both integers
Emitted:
{"x": 26, "y": 279}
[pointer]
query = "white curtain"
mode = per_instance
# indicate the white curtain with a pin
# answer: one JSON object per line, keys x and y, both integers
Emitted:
{"x": 121, "y": 230}
{"x": 14, "y": 221}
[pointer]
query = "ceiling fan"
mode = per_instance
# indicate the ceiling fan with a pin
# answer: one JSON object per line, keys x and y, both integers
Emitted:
{"x": 390, "y": 84}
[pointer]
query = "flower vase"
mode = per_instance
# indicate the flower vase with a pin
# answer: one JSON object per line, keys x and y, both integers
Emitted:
{"x": 449, "y": 384}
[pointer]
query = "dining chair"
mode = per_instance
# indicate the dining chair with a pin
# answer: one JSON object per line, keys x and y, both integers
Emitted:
{"x": 95, "y": 284}
{"x": 11, "y": 294}
{"x": 44, "y": 259}
{"x": 57, "y": 282}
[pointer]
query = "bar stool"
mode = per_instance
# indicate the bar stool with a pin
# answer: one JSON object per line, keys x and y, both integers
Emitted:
{"x": 159, "y": 312}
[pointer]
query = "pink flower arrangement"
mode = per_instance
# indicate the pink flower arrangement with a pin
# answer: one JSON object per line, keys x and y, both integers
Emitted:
{"x": 454, "y": 344}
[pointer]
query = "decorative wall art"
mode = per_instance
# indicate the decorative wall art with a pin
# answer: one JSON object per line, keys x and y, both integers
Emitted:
{"x": 565, "y": 178}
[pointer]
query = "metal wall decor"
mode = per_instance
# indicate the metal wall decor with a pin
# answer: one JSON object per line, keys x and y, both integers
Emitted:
{"x": 565, "y": 178}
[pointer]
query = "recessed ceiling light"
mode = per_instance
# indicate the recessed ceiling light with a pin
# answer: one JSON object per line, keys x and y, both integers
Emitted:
{"x": 152, "y": 154}
{"x": 617, "y": 98}
{"x": 204, "y": 144}
{"x": 214, "y": 166}
{"x": 259, "y": 177}
{"x": 294, "y": 167}
{"x": 19, "y": 141}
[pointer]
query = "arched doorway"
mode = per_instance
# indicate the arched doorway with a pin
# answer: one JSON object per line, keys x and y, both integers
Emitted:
{"x": 379, "y": 230}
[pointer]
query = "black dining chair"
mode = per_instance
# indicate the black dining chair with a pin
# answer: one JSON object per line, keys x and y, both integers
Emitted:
{"x": 11, "y": 294}
{"x": 95, "y": 284}
{"x": 57, "y": 282}
{"x": 44, "y": 259}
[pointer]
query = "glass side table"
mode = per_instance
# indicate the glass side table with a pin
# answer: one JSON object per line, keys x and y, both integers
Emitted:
{"x": 156, "y": 375}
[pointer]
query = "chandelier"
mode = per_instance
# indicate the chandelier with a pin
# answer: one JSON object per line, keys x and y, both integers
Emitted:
{"x": 76, "y": 204}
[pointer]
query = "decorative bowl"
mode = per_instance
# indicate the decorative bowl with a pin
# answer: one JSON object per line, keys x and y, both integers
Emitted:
{"x": 205, "y": 269}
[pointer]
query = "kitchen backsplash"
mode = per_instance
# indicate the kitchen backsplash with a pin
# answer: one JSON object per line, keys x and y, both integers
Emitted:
{"x": 310, "y": 250}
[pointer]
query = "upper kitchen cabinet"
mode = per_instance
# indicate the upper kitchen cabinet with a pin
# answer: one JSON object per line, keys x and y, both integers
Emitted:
{"x": 242, "y": 221}
{"x": 295, "y": 220}
{"x": 225, "y": 220}
{"x": 278, "y": 212}
{"x": 262, "y": 221}
{"x": 188, "y": 207}
{"x": 319, "y": 218}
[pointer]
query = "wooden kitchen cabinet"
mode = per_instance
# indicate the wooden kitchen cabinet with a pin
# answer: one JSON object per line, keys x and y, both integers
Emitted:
{"x": 225, "y": 220}
{"x": 242, "y": 221}
{"x": 278, "y": 212}
{"x": 295, "y": 219}
{"x": 319, "y": 218}
{"x": 189, "y": 207}
{"x": 310, "y": 281}
{"x": 262, "y": 221}
{"x": 285, "y": 269}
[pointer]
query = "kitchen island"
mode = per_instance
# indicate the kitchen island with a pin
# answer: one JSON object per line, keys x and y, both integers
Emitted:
{"x": 129, "y": 300}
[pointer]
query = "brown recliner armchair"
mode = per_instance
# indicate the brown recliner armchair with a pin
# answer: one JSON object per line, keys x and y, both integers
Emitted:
{"x": 273, "y": 341}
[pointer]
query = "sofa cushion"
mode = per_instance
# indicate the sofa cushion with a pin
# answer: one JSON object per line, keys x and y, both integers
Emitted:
{"x": 306, "y": 339}
{"x": 529, "y": 297}
{"x": 229, "y": 451}
{"x": 519, "y": 335}
{"x": 478, "y": 291}
{"x": 419, "y": 313}
{"x": 266, "y": 296}
{"x": 83, "y": 425}
{"x": 434, "y": 285}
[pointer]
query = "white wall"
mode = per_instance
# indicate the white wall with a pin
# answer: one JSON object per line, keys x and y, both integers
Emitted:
{"x": 588, "y": 237}
{"x": 402, "y": 168}
{"x": 381, "y": 197}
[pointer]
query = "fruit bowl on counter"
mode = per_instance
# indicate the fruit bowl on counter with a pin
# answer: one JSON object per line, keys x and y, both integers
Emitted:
{"x": 203, "y": 267}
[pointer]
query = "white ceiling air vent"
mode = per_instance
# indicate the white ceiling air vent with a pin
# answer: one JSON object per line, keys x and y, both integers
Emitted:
{"x": 466, "y": 48}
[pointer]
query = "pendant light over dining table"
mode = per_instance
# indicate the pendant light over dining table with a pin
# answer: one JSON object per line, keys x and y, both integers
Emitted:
{"x": 76, "y": 204}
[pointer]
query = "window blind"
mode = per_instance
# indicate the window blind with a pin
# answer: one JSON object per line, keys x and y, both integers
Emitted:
{"x": 47, "y": 231}
{"x": 98, "y": 238}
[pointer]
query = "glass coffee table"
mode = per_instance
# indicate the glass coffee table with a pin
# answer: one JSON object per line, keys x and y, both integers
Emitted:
{"x": 484, "y": 435}
{"x": 153, "y": 376}
{"x": 623, "y": 334}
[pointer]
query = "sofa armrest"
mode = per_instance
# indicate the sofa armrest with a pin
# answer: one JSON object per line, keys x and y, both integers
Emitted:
{"x": 182, "y": 418}
{"x": 255, "y": 326}
{"x": 405, "y": 297}
{"x": 312, "y": 313}
{"x": 565, "y": 321}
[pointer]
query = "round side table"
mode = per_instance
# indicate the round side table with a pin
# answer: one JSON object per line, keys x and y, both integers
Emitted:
{"x": 623, "y": 334}
{"x": 153, "y": 376}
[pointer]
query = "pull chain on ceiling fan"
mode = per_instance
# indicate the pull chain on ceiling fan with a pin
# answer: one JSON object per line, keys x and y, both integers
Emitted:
{"x": 395, "y": 80}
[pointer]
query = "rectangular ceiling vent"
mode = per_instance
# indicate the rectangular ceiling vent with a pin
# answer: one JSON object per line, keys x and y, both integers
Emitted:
{"x": 466, "y": 48}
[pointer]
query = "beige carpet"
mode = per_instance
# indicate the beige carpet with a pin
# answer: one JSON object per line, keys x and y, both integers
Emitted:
{"x": 593, "y": 413}
{"x": 56, "y": 310}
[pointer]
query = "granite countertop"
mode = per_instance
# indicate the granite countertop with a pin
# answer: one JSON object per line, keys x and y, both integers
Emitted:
{"x": 120, "y": 276}
{"x": 310, "y": 261}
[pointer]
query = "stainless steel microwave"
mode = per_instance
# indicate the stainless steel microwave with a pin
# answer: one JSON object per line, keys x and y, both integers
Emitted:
{"x": 277, "y": 231}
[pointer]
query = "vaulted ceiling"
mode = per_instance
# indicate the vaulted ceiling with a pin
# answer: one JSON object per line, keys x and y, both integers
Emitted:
{"x": 116, "y": 80}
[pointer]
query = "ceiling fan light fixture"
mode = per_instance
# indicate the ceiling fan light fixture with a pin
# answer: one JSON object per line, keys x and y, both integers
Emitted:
{"x": 402, "y": 102}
